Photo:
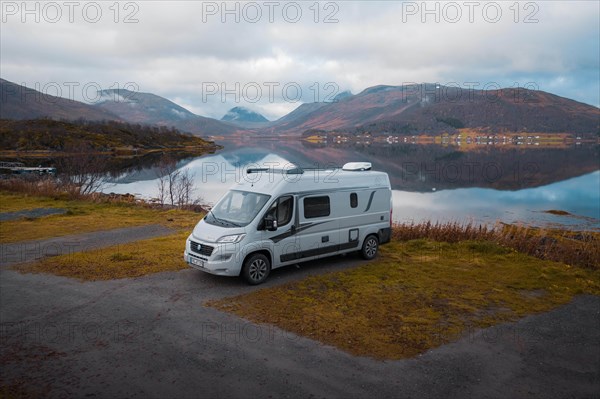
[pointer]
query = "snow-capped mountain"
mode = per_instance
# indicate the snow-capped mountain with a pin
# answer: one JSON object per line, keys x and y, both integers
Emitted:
{"x": 243, "y": 115}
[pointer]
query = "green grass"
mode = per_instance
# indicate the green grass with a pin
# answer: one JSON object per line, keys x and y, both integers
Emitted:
{"x": 415, "y": 296}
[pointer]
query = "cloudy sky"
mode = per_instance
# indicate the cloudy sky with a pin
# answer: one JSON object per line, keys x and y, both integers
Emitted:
{"x": 271, "y": 56}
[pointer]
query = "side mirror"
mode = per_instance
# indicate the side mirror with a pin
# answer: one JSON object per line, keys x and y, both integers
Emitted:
{"x": 270, "y": 223}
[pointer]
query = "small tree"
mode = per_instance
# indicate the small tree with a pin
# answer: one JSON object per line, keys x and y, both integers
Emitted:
{"x": 82, "y": 168}
{"x": 175, "y": 186}
{"x": 184, "y": 187}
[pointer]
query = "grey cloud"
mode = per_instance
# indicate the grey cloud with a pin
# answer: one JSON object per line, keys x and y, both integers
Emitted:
{"x": 172, "y": 52}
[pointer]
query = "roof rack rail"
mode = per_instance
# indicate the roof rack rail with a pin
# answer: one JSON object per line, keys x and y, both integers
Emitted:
{"x": 293, "y": 171}
{"x": 298, "y": 170}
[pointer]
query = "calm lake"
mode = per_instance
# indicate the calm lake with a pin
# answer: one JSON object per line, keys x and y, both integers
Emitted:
{"x": 430, "y": 182}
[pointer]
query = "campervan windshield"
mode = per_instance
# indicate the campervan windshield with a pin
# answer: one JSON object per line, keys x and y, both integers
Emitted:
{"x": 237, "y": 209}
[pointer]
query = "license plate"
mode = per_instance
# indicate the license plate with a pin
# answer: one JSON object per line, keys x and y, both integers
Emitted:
{"x": 197, "y": 262}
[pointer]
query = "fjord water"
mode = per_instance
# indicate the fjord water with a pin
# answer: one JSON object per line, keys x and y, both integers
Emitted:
{"x": 430, "y": 182}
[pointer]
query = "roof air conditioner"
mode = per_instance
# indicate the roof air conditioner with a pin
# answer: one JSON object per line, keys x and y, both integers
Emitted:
{"x": 356, "y": 166}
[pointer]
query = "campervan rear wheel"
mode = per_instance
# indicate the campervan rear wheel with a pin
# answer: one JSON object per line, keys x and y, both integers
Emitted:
{"x": 256, "y": 269}
{"x": 369, "y": 248}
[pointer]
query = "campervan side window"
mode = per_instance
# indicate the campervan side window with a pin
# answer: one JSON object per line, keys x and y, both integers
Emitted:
{"x": 353, "y": 200}
{"x": 315, "y": 207}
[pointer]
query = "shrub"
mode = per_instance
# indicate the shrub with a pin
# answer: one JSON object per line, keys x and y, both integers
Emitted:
{"x": 570, "y": 247}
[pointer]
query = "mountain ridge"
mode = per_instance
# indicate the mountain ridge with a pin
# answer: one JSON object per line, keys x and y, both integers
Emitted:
{"x": 152, "y": 109}
{"x": 21, "y": 102}
{"x": 408, "y": 109}
{"x": 434, "y": 109}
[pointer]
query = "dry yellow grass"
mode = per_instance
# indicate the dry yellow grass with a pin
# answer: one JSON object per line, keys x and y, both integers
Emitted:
{"x": 578, "y": 248}
{"x": 121, "y": 261}
{"x": 417, "y": 295}
{"x": 10, "y": 202}
{"x": 83, "y": 216}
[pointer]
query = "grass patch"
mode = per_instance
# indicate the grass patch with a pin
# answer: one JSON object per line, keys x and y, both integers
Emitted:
{"x": 120, "y": 261}
{"x": 83, "y": 216}
{"x": 578, "y": 248}
{"x": 11, "y": 202}
{"x": 557, "y": 212}
{"x": 417, "y": 295}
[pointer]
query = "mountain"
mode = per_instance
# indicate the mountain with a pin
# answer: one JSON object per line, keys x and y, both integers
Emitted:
{"x": 430, "y": 108}
{"x": 242, "y": 114}
{"x": 408, "y": 109}
{"x": 300, "y": 114}
{"x": 20, "y": 102}
{"x": 147, "y": 108}
{"x": 340, "y": 96}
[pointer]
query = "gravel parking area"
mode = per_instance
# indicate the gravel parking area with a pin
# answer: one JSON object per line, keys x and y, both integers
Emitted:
{"x": 27, "y": 251}
{"x": 151, "y": 337}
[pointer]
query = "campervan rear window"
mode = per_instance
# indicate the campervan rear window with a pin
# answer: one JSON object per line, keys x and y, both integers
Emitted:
{"x": 315, "y": 207}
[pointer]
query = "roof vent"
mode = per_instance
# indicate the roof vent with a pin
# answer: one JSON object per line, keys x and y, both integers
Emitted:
{"x": 356, "y": 166}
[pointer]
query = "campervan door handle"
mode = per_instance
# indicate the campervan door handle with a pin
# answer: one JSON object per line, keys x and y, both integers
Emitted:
{"x": 325, "y": 239}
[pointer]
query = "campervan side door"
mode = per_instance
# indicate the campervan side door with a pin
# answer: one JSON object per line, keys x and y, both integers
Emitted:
{"x": 318, "y": 229}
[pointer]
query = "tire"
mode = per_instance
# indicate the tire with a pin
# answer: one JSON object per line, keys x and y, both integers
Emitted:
{"x": 370, "y": 247}
{"x": 256, "y": 269}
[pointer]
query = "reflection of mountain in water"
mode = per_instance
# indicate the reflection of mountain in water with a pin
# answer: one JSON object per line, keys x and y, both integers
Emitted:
{"x": 238, "y": 152}
{"x": 422, "y": 168}
{"x": 435, "y": 167}
{"x": 416, "y": 168}
{"x": 245, "y": 156}
{"x": 142, "y": 171}
{"x": 147, "y": 168}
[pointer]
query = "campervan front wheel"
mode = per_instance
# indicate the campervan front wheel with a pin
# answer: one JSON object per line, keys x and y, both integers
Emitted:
{"x": 256, "y": 269}
{"x": 369, "y": 248}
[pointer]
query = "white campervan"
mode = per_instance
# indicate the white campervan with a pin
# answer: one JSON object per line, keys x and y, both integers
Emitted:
{"x": 274, "y": 218}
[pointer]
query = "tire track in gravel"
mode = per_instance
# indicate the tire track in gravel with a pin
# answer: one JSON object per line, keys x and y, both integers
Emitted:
{"x": 28, "y": 251}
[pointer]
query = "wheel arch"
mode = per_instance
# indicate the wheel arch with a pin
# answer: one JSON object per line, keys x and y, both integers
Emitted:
{"x": 263, "y": 251}
{"x": 375, "y": 234}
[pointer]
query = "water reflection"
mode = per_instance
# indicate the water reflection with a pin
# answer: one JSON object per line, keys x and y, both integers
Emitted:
{"x": 213, "y": 174}
{"x": 430, "y": 182}
{"x": 578, "y": 196}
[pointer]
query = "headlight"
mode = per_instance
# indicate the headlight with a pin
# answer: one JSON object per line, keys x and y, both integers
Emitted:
{"x": 233, "y": 238}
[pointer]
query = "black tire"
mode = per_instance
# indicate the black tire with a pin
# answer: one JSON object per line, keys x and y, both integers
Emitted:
{"x": 256, "y": 269}
{"x": 370, "y": 247}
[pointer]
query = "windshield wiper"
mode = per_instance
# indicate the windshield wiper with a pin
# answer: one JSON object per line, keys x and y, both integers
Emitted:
{"x": 216, "y": 218}
{"x": 223, "y": 221}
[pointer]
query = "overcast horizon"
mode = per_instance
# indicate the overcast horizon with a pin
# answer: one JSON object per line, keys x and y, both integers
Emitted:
{"x": 272, "y": 56}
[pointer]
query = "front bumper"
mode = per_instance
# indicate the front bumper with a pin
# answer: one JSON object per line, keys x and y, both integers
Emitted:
{"x": 223, "y": 259}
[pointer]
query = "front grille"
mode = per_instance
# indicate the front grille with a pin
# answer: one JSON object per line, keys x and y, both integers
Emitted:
{"x": 201, "y": 249}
